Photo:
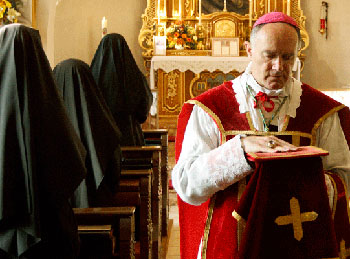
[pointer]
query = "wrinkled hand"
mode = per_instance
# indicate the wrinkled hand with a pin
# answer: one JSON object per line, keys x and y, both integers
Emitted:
{"x": 255, "y": 144}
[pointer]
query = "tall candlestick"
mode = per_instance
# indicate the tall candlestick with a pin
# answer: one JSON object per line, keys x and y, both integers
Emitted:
{"x": 250, "y": 13}
{"x": 180, "y": 13}
{"x": 288, "y": 7}
{"x": 164, "y": 9}
{"x": 158, "y": 12}
{"x": 225, "y": 9}
{"x": 104, "y": 26}
{"x": 200, "y": 12}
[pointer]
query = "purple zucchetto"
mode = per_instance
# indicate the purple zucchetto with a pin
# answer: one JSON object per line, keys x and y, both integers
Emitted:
{"x": 274, "y": 17}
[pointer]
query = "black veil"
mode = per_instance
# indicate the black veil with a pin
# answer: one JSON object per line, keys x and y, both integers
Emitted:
{"x": 41, "y": 157}
{"x": 95, "y": 125}
{"x": 123, "y": 86}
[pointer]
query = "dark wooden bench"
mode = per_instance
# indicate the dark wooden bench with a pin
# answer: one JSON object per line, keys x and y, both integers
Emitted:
{"x": 139, "y": 156}
{"x": 106, "y": 232}
{"x": 160, "y": 137}
{"x": 135, "y": 190}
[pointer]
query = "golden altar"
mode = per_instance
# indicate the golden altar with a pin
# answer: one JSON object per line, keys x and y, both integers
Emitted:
{"x": 172, "y": 83}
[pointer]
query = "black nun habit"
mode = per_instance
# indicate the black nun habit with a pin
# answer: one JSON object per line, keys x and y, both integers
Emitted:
{"x": 123, "y": 86}
{"x": 42, "y": 160}
{"x": 95, "y": 125}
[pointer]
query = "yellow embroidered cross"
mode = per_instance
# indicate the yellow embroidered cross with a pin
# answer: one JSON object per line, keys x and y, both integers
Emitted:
{"x": 343, "y": 253}
{"x": 296, "y": 218}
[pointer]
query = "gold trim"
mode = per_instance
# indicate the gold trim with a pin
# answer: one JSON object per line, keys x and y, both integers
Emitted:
{"x": 207, "y": 227}
{"x": 346, "y": 197}
{"x": 263, "y": 133}
{"x": 320, "y": 120}
{"x": 195, "y": 78}
{"x": 237, "y": 216}
{"x": 296, "y": 140}
{"x": 242, "y": 184}
{"x": 213, "y": 115}
{"x": 335, "y": 200}
{"x": 250, "y": 122}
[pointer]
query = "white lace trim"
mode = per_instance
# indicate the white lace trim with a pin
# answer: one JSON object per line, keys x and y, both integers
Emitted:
{"x": 227, "y": 164}
{"x": 293, "y": 91}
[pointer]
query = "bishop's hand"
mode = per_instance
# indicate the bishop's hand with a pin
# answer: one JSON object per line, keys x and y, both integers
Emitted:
{"x": 267, "y": 144}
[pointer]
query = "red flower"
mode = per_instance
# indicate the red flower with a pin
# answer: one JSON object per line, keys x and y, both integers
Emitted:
{"x": 176, "y": 34}
{"x": 188, "y": 39}
{"x": 179, "y": 41}
{"x": 184, "y": 35}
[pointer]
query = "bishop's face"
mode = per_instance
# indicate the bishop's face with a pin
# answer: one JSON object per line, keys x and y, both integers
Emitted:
{"x": 273, "y": 54}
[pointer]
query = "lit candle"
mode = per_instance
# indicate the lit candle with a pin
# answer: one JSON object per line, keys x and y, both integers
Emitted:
{"x": 288, "y": 7}
{"x": 200, "y": 12}
{"x": 104, "y": 26}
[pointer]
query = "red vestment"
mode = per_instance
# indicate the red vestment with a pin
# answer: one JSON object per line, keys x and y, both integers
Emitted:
{"x": 212, "y": 221}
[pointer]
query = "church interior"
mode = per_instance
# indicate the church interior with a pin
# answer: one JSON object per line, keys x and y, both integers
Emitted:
{"x": 176, "y": 72}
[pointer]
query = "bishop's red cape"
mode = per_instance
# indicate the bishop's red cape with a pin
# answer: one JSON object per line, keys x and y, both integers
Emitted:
{"x": 256, "y": 199}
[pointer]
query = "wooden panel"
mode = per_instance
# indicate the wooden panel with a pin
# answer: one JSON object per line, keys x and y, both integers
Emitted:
{"x": 182, "y": 87}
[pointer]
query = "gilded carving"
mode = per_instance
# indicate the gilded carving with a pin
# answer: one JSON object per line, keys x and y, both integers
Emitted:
{"x": 172, "y": 86}
{"x": 256, "y": 9}
{"x": 262, "y": 7}
{"x": 188, "y": 53}
{"x": 148, "y": 30}
{"x": 225, "y": 28}
{"x": 188, "y": 7}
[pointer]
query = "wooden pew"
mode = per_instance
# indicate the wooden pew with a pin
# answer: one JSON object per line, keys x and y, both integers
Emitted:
{"x": 135, "y": 190}
{"x": 135, "y": 156}
{"x": 145, "y": 220}
{"x": 106, "y": 232}
{"x": 160, "y": 137}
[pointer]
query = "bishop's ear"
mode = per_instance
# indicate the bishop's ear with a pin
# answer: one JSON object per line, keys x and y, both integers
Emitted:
{"x": 248, "y": 48}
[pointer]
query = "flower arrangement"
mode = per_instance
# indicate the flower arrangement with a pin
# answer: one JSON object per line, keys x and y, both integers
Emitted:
{"x": 181, "y": 36}
{"x": 8, "y": 12}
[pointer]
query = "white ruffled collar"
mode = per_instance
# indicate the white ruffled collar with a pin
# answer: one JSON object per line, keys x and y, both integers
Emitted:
{"x": 292, "y": 90}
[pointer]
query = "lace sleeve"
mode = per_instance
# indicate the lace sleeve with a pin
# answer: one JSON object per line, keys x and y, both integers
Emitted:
{"x": 330, "y": 136}
{"x": 204, "y": 167}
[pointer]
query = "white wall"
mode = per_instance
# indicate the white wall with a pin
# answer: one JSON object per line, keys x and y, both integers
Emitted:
{"x": 327, "y": 64}
{"x": 72, "y": 28}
